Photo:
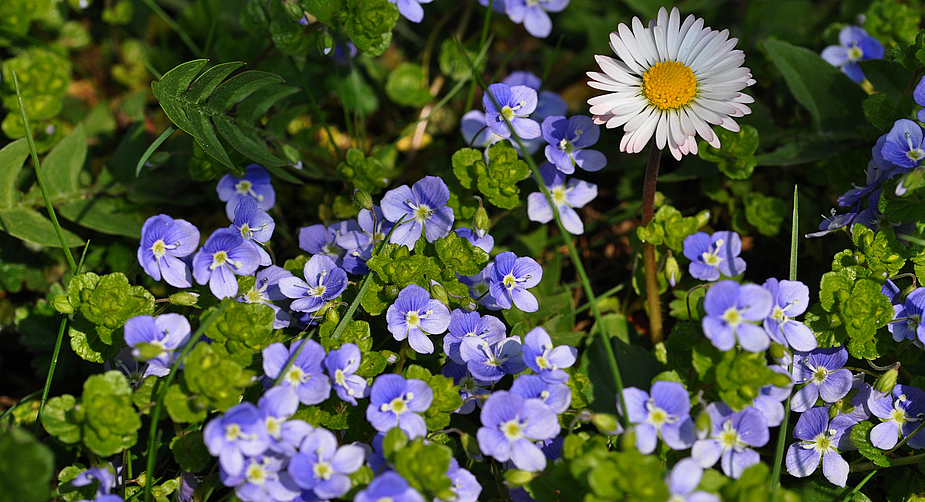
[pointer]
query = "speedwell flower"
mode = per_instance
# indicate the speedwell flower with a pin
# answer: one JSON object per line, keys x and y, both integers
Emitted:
{"x": 514, "y": 105}
{"x": 731, "y": 310}
{"x": 323, "y": 467}
{"x": 396, "y": 402}
{"x": 222, "y": 256}
{"x": 672, "y": 80}
{"x": 324, "y": 281}
{"x": 511, "y": 277}
{"x": 904, "y": 144}
{"x": 414, "y": 315}
{"x": 856, "y": 45}
{"x": 255, "y": 225}
{"x": 566, "y": 194}
{"x": 901, "y": 413}
{"x": 423, "y": 207}
{"x": 790, "y": 300}
{"x": 389, "y": 485}
{"x": 712, "y": 255}
{"x": 557, "y": 396}
{"x": 908, "y": 317}
{"x": 490, "y": 362}
{"x": 665, "y": 413}
{"x": 470, "y": 324}
{"x": 237, "y": 434}
{"x": 510, "y": 427}
{"x": 729, "y": 439}
{"x": 255, "y": 184}
{"x": 568, "y": 139}
{"x": 821, "y": 370}
{"x": 164, "y": 243}
{"x": 161, "y": 335}
{"x": 683, "y": 480}
{"x": 544, "y": 359}
{"x": 817, "y": 441}
{"x": 305, "y": 374}
{"x": 533, "y": 14}
{"x": 341, "y": 364}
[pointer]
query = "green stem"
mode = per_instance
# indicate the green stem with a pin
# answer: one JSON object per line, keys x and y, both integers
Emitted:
{"x": 484, "y": 37}
{"x": 311, "y": 97}
{"x": 151, "y": 149}
{"x": 51, "y": 371}
{"x": 896, "y": 462}
{"x": 857, "y": 488}
{"x": 648, "y": 249}
{"x": 175, "y": 27}
{"x": 162, "y": 391}
{"x": 292, "y": 358}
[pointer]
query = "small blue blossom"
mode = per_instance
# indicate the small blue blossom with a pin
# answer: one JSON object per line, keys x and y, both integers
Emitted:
{"x": 907, "y": 317}
{"x": 470, "y": 324}
{"x": 557, "y": 396}
{"x": 470, "y": 388}
{"x": 568, "y": 140}
{"x": 266, "y": 290}
{"x": 396, "y": 402}
{"x": 665, "y": 413}
{"x": 254, "y": 184}
{"x": 510, "y": 279}
{"x": 255, "y": 225}
{"x": 414, "y": 316}
{"x": 683, "y": 480}
{"x": 411, "y": 9}
{"x": 817, "y": 442}
{"x": 515, "y": 104}
{"x": 546, "y": 361}
{"x": 342, "y": 365}
{"x": 548, "y": 103}
{"x": 790, "y": 300}
{"x": 324, "y": 468}
{"x": 263, "y": 479}
{"x": 237, "y": 434}
{"x": 903, "y": 145}
{"x": 769, "y": 398}
{"x": 490, "y": 362}
{"x": 167, "y": 332}
{"x": 855, "y": 45}
{"x": 821, "y": 370}
{"x": 164, "y": 243}
{"x": 324, "y": 281}
{"x": 510, "y": 427}
{"x": 732, "y": 309}
{"x": 900, "y": 413}
{"x": 370, "y": 226}
{"x": 875, "y": 175}
{"x": 388, "y": 486}
{"x": 566, "y": 195}
{"x": 533, "y": 14}
{"x": 222, "y": 256}
{"x": 477, "y": 238}
{"x": 477, "y": 134}
{"x": 305, "y": 375}
{"x": 480, "y": 287}
{"x": 463, "y": 483}
{"x": 104, "y": 473}
{"x": 918, "y": 94}
{"x": 731, "y": 435}
{"x": 835, "y": 221}
{"x": 423, "y": 207}
{"x": 712, "y": 255}
{"x": 319, "y": 239}
{"x": 275, "y": 407}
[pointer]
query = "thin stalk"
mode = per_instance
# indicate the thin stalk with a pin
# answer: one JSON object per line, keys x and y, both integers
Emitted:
{"x": 648, "y": 249}
{"x": 153, "y": 148}
{"x": 292, "y": 358}
{"x": 162, "y": 391}
{"x": 311, "y": 97}
{"x": 896, "y": 462}
{"x": 175, "y": 27}
{"x": 782, "y": 432}
{"x": 484, "y": 37}
{"x": 62, "y": 328}
{"x": 857, "y": 488}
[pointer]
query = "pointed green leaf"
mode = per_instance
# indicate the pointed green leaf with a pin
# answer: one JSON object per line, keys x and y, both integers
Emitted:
{"x": 239, "y": 87}
{"x": 251, "y": 146}
{"x": 251, "y": 108}
{"x": 206, "y": 84}
{"x": 102, "y": 215}
{"x": 28, "y": 225}
{"x": 12, "y": 157}
{"x": 63, "y": 164}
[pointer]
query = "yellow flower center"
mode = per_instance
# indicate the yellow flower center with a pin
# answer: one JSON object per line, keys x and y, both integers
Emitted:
{"x": 559, "y": 195}
{"x": 512, "y": 429}
{"x": 669, "y": 85}
{"x": 732, "y": 317}
{"x": 323, "y": 470}
{"x": 159, "y": 248}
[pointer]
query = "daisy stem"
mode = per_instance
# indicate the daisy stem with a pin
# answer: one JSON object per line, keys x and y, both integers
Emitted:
{"x": 648, "y": 249}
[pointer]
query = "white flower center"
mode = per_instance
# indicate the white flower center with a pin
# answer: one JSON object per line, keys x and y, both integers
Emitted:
{"x": 323, "y": 470}
{"x": 245, "y": 187}
{"x": 729, "y": 438}
{"x": 296, "y": 375}
{"x": 512, "y": 429}
{"x": 732, "y": 317}
{"x": 220, "y": 258}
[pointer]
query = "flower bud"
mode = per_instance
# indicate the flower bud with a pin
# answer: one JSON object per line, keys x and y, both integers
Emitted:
{"x": 778, "y": 351}
{"x": 363, "y": 199}
{"x": 184, "y": 298}
{"x": 672, "y": 270}
{"x": 481, "y": 221}
{"x": 781, "y": 380}
{"x": 887, "y": 381}
{"x": 606, "y": 423}
{"x": 515, "y": 478}
{"x": 703, "y": 422}
{"x": 293, "y": 9}
{"x": 747, "y": 392}
{"x": 438, "y": 292}
{"x": 332, "y": 315}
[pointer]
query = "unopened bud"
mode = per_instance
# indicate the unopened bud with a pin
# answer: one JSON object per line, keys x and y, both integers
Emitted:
{"x": 606, "y": 423}
{"x": 778, "y": 351}
{"x": 781, "y": 380}
{"x": 747, "y": 392}
{"x": 438, "y": 292}
{"x": 332, "y": 315}
{"x": 145, "y": 351}
{"x": 672, "y": 270}
{"x": 184, "y": 298}
{"x": 481, "y": 221}
{"x": 703, "y": 422}
{"x": 515, "y": 478}
{"x": 363, "y": 199}
{"x": 293, "y": 9}
{"x": 887, "y": 381}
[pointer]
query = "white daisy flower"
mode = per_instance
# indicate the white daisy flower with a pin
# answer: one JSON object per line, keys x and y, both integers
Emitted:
{"x": 672, "y": 80}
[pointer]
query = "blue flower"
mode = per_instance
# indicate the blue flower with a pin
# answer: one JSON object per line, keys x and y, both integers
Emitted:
{"x": 167, "y": 332}
{"x": 768, "y": 400}
{"x": 238, "y": 433}
{"x": 319, "y": 239}
{"x": 470, "y": 388}
{"x": 411, "y": 9}
{"x": 790, "y": 300}
{"x": 856, "y": 45}
{"x": 511, "y": 277}
{"x": 324, "y": 468}
{"x": 276, "y": 406}
{"x": 548, "y": 103}
{"x": 903, "y": 145}
{"x": 665, "y": 413}
{"x": 104, "y": 473}
{"x": 396, "y": 402}
{"x": 266, "y": 290}
{"x": 490, "y": 362}
{"x": 821, "y": 371}
{"x": 254, "y": 184}
{"x": 907, "y": 317}
{"x": 918, "y": 94}
{"x": 557, "y": 396}
{"x": 305, "y": 375}
{"x": 683, "y": 480}
{"x": 546, "y": 361}
{"x": 510, "y": 427}
{"x": 515, "y": 104}
{"x": 164, "y": 243}
{"x": 479, "y": 239}
{"x": 463, "y": 483}
{"x": 222, "y": 256}
{"x": 817, "y": 442}
{"x": 389, "y": 486}
{"x": 568, "y": 139}
{"x": 263, "y": 479}
{"x": 900, "y": 413}
{"x": 342, "y": 365}
{"x": 835, "y": 221}
{"x": 533, "y": 14}
{"x": 712, "y": 255}
{"x": 255, "y": 225}
{"x": 423, "y": 207}
{"x": 414, "y": 316}
{"x": 731, "y": 311}
{"x": 731, "y": 435}
{"x": 876, "y": 174}
{"x": 480, "y": 287}
{"x": 470, "y": 324}
{"x": 370, "y": 226}
{"x": 566, "y": 196}
{"x": 324, "y": 281}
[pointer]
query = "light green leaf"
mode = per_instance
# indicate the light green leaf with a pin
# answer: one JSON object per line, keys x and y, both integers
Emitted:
{"x": 12, "y": 157}
{"x": 102, "y": 215}
{"x": 26, "y": 467}
{"x": 28, "y": 225}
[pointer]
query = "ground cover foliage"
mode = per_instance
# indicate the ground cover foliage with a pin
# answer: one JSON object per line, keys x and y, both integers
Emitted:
{"x": 280, "y": 250}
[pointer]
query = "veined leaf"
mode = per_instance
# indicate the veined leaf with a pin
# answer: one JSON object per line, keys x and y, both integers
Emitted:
{"x": 26, "y": 224}
{"x": 209, "y": 106}
{"x": 12, "y": 157}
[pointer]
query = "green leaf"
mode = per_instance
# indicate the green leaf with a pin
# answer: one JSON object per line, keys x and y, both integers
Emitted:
{"x": 61, "y": 167}
{"x": 205, "y": 105}
{"x": 86, "y": 342}
{"x": 764, "y": 212}
{"x": 505, "y": 170}
{"x": 860, "y": 439}
{"x": 740, "y": 375}
{"x": 61, "y": 418}
{"x": 356, "y": 332}
{"x": 901, "y": 208}
{"x": 102, "y": 215}
{"x": 220, "y": 380}
{"x": 446, "y": 397}
{"x": 26, "y": 224}
{"x": 369, "y": 24}
{"x": 459, "y": 255}
{"x": 833, "y": 287}
{"x": 424, "y": 466}
{"x": 736, "y": 156}
{"x": 407, "y": 85}
{"x": 111, "y": 421}
{"x": 366, "y": 173}
{"x": 453, "y": 63}
{"x": 468, "y": 165}
{"x": 26, "y": 467}
{"x": 113, "y": 301}
{"x": 12, "y": 157}
{"x": 328, "y": 12}
{"x": 833, "y": 100}
{"x": 637, "y": 367}
{"x": 190, "y": 452}
{"x": 183, "y": 406}
{"x": 887, "y": 77}
{"x": 243, "y": 329}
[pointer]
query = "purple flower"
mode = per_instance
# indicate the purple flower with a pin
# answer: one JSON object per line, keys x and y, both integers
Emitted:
{"x": 477, "y": 238}
{"x": 511, "y": 425}
{"x": 166, "y": 333}
{"x": 276, "y": 406}
{"x": 729, "y": 439}
{"x": 388, "y": 486}
{"x": 731, "y": 311}
{"x": 396, "y": 402}
{"x": 238, "y": 433}
{"x": 665, "y": 413}
{"x": 324, "y": 281}
{"x": 821, "y": 371}
{"x": 682, "y": 483}
{"x": 480, "y": 287}
{"x": 319, "y": 239}
{"x": 566, "y": 197}
{"x": 768, "y": 400}
{"x": 477, "y": 134}
{"x": 533, "y": 14}
{"x": 835, "y": 221}
{"x": 903, "y": 145}
{"x": 515, "y": 104}
{"x": 164, "y": 243}
{"x": 254, "y": 184}
{"x": 470, "y": 324}
{"x": 414, "y": 316}
{"x": 411, "y": 9}
{"x": 546, "y": 361}
{"x": 423, "y": 207}
{"x": 568, "y": 139}
{"x": 900, "y": 413}
{"x": 919, "y": 96}
{"x": 712, "y": 255}
{"x": 222, "y": 256}
{"x": 104, "y": 473}
{"x": 907, "y": 323}
{"x": 511, "y": 277}
{"x": 892, "y": 291}
{"x": 548, "y": 103}
{"x": 490, "y": 362}
{"x": 255, "y": 225}
{"x": 557, "y": 396}
{"x": 372, "y": 225}
{"x": 305, "y": 375}
{"x": 264, "y": 479}
{"x": 470, "y": 388}
{"x": 790, "y": 300}
{"x": 876, "y": 174}
{"x": 341, "y": 364}
{"x": 817, "y": 441}
{"x": 324, "y": 468}
{"x": 856, "y": 45}
{"x": 464, "y": 484}
{"x": 266, "y": 290}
